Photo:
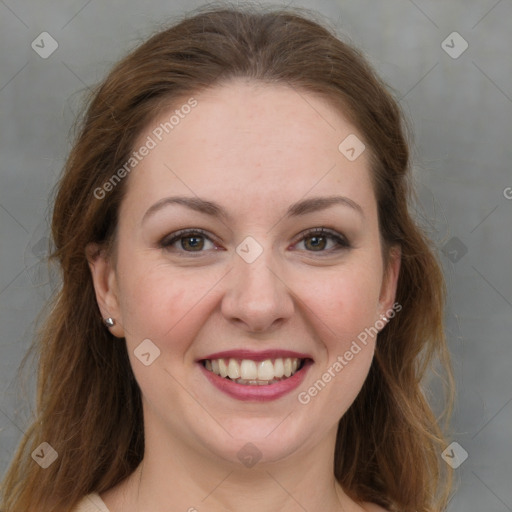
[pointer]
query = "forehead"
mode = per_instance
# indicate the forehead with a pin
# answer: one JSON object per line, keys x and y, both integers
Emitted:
{"x": 263, "y": 142}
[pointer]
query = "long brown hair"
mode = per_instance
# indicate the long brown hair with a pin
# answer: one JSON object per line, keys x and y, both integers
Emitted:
{"x": 88, "y": 403}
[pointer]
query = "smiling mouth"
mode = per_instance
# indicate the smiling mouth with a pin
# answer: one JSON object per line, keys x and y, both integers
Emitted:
{"x": 255, "y": 373}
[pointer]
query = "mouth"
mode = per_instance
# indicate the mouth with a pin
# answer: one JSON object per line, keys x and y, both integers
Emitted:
{"x": 256, "y": 376}
{"x": 249, "y": 372}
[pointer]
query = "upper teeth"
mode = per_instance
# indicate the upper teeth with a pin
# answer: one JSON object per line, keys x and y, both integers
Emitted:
{"x": 253, "y": 371}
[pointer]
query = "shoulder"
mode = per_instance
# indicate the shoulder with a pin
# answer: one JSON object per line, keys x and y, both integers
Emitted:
{"x": 372, "y": 507}
{"x": 91, "y": 503}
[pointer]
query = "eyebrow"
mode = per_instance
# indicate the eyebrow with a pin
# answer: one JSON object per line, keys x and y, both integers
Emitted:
{"x": 213, "y": 209}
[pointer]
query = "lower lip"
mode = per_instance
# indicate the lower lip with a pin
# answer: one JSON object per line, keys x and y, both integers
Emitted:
{"x": 263, "y": 393}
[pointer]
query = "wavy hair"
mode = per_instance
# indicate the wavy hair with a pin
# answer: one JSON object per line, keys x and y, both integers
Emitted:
{"x": 88, "y": 403}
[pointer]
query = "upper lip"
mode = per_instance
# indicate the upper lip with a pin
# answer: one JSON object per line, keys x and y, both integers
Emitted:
{"x": 255, "y": 355}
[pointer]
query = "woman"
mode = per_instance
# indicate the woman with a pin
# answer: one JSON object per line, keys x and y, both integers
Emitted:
{"x": 247, "y": 307}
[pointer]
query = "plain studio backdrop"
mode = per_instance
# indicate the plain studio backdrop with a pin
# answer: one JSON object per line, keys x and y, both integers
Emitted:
{"x": 449, "y": 65}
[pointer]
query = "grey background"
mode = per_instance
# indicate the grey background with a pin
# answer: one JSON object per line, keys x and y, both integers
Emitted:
{"x": 460, "y": 110}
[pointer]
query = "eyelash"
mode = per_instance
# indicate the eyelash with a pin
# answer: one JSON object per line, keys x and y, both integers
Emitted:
{"x": 341, "y": 241}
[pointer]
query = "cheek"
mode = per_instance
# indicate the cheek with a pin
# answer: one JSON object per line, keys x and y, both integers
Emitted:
{"x": 345, "y": 314}
{"x": 161, "y": 302}
{"x": 344, "y": 306}
{"x": 344, "y": 301}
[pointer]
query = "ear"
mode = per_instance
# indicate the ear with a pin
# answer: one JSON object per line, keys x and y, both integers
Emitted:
{"x": 390, "y": 281}
{"x": 105, "y": 285}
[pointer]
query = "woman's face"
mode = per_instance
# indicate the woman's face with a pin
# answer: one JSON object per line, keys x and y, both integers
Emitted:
{"x": 253, "y": 289}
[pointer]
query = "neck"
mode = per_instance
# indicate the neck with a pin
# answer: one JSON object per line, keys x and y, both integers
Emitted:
{"x": 175, "y": 476}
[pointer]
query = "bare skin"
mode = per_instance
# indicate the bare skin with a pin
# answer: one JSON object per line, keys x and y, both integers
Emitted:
{"x": 254, "y": 149}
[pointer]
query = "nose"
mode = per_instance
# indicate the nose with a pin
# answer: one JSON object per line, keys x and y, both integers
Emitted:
{"x": 258, "y": 298}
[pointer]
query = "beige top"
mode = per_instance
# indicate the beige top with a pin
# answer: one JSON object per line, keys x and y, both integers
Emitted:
{"x": 91, "y": 503}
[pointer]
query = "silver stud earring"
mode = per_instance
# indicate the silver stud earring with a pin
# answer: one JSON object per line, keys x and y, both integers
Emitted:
{"x": 109, "y": 322}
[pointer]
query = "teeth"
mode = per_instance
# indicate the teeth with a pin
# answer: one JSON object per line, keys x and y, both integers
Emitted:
{"x": 223, "y": 368}
{"x": 287, "y": 367}
{"x": 233, "y": 369}
{"x": 248, "y": 370}
{"x": 278, "y": 368}
{"x": 254, "y": 373}
{"x": 265, "y": 370}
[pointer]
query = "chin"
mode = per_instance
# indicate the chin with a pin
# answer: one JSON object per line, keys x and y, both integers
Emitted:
{"x": 266, "y": 441}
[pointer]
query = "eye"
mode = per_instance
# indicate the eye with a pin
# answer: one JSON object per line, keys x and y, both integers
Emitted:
{"x": 317, "y": 240}
{"x": 191, "y": 240}
{"x": 197, "y": 240}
